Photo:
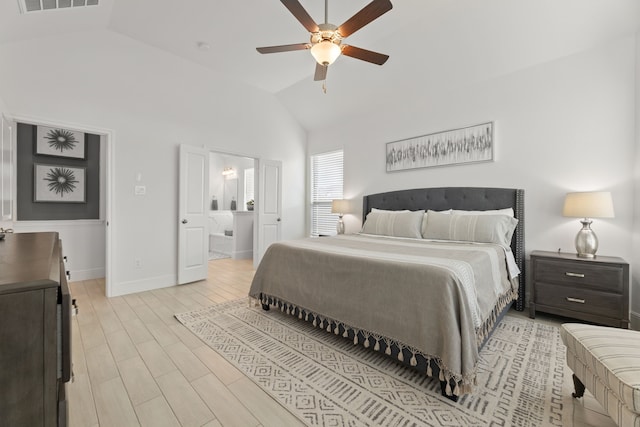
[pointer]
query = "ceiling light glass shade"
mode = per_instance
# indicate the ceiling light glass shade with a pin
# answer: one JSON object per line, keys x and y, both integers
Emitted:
{"x": 325, "y": 52}
{"x": 593, "y": 204}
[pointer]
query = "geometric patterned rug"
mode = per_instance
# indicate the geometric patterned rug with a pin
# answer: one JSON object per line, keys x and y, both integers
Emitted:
{"x": 325, "y": 380}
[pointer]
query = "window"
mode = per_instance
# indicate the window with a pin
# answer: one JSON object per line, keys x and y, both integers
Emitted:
{"x": 326, "y": 185}
{"x": 248, "y": 185}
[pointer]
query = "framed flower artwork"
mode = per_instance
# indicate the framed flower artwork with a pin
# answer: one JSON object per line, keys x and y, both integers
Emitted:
{"x": 58, "y": 183}
{"x": 60, "y": 142}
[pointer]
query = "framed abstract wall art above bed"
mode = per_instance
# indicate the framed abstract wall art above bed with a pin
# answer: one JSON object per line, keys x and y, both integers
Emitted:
{"x": 469, "y": 144}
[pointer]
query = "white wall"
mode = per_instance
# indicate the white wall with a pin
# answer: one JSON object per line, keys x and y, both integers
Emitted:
{"x": 3, "y": 107}
{"x": 152, "y": 101}
{"x": 565, "y": 125}
{"x": 83, "y": 243}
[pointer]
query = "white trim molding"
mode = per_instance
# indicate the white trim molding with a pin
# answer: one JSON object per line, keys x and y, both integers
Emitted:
{"x": 148, "y": 284}
{"x": 635, "y": 320}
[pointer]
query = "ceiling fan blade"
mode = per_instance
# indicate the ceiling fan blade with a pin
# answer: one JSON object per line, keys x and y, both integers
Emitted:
{"x": 364, "y": 54}
{"x": 301, "y": 15}
{"x": 321, "y": 72}
{"x": 369, "y": 13}
{"x": 283, "y": 48}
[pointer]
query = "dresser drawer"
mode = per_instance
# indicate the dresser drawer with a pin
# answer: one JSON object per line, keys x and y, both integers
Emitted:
{"x": 605, "y": 277}
{"x": 579, "y": 299}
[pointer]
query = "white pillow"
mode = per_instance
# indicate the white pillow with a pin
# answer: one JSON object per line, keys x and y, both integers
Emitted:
{"x": 424, "y": 220}
{"x": 386, "y": 211}
{"x": 505, "y": 211}
{"x": 471, "y": 228}
{"x": 394, "y": 223}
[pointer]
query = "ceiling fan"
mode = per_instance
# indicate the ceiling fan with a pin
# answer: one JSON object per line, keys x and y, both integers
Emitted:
{"x": 326, "y": 39}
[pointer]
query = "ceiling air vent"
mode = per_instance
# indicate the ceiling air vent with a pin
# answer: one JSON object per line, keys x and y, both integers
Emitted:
{"x": 38, "y": 5}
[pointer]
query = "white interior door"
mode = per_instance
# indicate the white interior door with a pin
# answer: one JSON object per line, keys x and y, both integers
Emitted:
{"x": 193, "y": 233}
{"x": 269, "y": 204}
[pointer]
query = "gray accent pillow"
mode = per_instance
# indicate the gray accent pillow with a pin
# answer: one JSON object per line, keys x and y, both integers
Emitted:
{"x": 394, "y": 223}
{"x": 470, "y": 228}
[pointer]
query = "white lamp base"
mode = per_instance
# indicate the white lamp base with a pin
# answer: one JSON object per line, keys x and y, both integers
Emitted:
{"x": 586, "y": 240}
{"x": 340, "y": 225}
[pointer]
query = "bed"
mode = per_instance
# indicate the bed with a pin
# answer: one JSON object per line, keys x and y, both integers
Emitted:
{"x": 428, "y": 302}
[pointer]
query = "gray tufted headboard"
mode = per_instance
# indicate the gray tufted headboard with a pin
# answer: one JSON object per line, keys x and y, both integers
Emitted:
{"x": 466, "y": 198}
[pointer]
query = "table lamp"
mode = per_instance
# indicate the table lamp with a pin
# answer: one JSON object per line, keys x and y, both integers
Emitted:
{"x": 591, "y": 204}
{"x": 340, "y": 206}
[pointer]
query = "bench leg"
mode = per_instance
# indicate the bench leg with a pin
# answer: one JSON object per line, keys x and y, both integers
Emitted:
{"x": 579, "y": 387}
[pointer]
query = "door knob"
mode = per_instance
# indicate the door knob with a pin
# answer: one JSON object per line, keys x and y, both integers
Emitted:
{"x": 184, "y": 221}
{"x": 278, "y": 219}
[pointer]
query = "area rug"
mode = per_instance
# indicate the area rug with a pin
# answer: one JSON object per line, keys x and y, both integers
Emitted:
{"x": 325, "y": 380}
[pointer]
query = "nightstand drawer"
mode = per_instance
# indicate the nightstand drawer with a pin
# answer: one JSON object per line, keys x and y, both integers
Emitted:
{"x": 582, "y": 300}
{"x": 609, "y": 278}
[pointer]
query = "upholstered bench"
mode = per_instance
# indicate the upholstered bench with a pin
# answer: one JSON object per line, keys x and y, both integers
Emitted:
{"x": 607, "y": 362}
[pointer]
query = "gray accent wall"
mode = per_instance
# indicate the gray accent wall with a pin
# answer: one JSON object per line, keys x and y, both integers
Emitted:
{"x": 26, "y": 208}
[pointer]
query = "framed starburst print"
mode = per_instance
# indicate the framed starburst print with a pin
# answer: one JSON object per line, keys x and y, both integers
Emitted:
{"x": 60, "y": 142}
{"x": 58, "y": 183}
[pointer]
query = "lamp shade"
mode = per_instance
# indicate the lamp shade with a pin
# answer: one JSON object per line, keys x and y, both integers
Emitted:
{"x": 325, "y": 52}
{"x": 339, "y": 206}
{"x": 590, "y": 204}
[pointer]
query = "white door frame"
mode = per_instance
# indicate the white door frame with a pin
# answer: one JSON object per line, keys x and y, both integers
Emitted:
{"x": 8, "y": 128}
{"x": 109, "y": 139}
{"x": 256, "y": 180}
{"x": 259, "y": 162}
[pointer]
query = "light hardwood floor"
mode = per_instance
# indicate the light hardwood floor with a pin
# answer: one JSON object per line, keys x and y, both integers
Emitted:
{"x": 135, "y": 364}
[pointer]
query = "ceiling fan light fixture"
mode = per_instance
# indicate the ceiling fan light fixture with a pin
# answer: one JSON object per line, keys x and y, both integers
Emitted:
{"x": 325, "y": 52}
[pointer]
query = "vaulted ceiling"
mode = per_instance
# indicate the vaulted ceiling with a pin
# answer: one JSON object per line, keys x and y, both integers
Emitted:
{"x": 432, "y": 44}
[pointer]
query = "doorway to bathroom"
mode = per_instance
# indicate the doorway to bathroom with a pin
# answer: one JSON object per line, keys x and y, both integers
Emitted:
{"x": 231, "y": 208}
{"x": 251, "y": 232}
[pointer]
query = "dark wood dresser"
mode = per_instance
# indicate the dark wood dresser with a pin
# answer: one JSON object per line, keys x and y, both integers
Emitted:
{"x": 594, "y": 290}
{"x": 35, "y": 345}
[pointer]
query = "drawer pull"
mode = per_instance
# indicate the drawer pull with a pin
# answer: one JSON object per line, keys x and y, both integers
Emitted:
{"x": 578, "y": 300}
{"x": 570, "y": 274}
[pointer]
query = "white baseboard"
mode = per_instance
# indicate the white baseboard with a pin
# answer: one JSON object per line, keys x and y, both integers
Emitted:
{"x": 635, "y": 321}
{"x": 94, "y": 273}
{"x": 149, "y": 284}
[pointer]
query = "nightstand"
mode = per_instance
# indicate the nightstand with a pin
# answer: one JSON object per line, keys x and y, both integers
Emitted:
{"x": 594, "y": 290}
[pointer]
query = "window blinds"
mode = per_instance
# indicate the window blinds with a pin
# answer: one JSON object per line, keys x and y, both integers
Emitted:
{"x": 326, "y": 185}
{"x": 248, "y": 185}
